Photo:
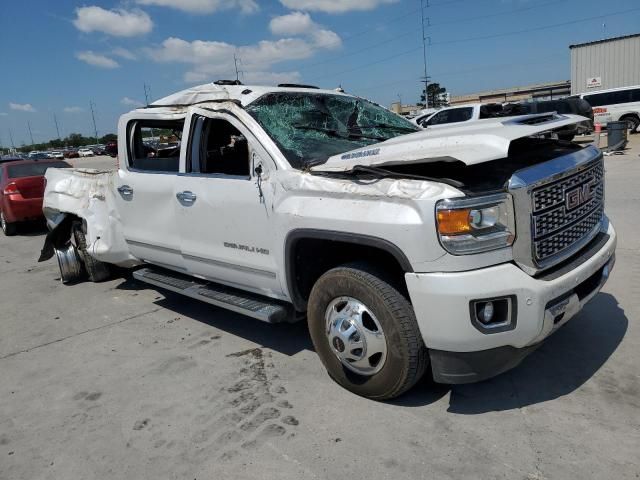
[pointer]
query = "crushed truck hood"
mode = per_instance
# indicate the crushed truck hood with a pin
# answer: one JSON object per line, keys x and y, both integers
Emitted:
{"x": 472, "y": 143}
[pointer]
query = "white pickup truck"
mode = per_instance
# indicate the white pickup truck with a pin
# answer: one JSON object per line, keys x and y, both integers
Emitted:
{"x": 457, "y": 253}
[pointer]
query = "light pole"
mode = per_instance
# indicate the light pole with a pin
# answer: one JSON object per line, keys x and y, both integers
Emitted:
{"x": 55, "y": 119}
{"x": 93, "y": 117}
{"x": 30, "y": 134}
{"x": 424, "y": 54}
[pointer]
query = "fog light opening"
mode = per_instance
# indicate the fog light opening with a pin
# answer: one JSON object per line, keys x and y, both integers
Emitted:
{"x": 493, "y": 315}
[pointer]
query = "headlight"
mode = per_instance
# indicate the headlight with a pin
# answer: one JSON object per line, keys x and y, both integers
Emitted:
{"x": 475, "y": 225}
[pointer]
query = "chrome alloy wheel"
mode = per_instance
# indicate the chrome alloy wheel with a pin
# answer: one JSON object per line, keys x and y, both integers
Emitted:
{"x": 3, "y": 222}
{"x": 355, "y": 336}
{"x": 69, "y": 263}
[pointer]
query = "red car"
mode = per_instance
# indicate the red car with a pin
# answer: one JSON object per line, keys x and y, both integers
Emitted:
{"x": 21, "y": 190}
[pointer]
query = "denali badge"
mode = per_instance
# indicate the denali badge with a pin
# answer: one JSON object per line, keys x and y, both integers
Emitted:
{"x": 579, "y": 195}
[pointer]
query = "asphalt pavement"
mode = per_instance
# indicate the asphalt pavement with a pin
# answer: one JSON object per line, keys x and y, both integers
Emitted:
{"x": 118, "y": 380}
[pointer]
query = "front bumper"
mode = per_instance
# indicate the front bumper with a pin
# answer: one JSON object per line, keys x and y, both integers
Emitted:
{"x": 460, "y": 352}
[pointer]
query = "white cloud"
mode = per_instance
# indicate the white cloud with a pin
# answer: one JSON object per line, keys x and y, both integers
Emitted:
{"x": 294, "y": 23}
{"x": 73, "y": 109}
{"x": 301, "y": 24}
{"x": 131, "y": 102}
{"x": 124, "y": 53}
{"x": 97, "y": 59}
{"x": 117, "y": 22}
{"x": 210, "y": 60}
{"x": 334, "y": 6}
{"x": 325, "y": 39}
{"x": 22, "y": 107}
{"x": 205, "y": 6}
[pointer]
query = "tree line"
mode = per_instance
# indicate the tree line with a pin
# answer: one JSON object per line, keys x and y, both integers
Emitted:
{"x": 72, "y": 140}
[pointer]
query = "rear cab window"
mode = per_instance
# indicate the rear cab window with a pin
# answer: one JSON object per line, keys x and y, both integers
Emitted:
{"x": 36, "y": 169}
{"x": 154, "y": 145}
{"x": 454, "y": 115}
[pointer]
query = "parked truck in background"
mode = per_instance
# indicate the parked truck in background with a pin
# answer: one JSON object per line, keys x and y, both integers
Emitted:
{"x": 408, "y": 251}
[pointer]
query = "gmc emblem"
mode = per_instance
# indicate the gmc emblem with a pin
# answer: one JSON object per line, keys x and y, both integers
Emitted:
{"x": 579, "y": 195}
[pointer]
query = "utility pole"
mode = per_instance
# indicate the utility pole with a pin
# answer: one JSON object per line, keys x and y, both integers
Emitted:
{"x": 147, "y": 94}
{"x": 93, "y": 117}
{"x": 147, "y": 97}
{"x": 30, "y": 134}
{"x": 13, "y": 146}
{"x": 424, "y": 54}
{"x": 235, "y": 62}
{"x": 55, "y": 119}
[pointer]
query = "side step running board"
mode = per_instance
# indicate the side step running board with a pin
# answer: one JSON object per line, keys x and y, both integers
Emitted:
{"x": 239, "y": 301}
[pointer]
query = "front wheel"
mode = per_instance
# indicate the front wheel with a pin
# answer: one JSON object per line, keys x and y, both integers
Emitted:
{"x": 366, "y": 333}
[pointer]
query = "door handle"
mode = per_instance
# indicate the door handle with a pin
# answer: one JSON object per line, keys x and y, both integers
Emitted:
{"x": 186, "y": 197}
{"x": 125, "y": 191}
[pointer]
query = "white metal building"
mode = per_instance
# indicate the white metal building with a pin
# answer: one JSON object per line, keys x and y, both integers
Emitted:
{"x": 603, "y": 64}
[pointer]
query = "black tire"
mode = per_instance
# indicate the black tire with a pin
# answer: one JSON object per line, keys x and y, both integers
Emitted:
{"x": 632, "y": 122}
{"x": 97, "y": 271}
{"x": 407, "y": 357}
{"x": 9, "y": 229}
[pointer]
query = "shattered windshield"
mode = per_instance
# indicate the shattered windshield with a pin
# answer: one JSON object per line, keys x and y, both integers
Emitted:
{"x": 311, "y": 127}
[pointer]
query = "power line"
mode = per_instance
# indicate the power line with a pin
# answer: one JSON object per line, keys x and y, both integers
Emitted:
{"x": 484, "y": 37}
{"x": 499, "y": 14}
{"x": 428, "y": 25}
{"x": 534, "y": 29}
{"x": 397, "y": 19}
{"x": 351, "y": 54}
{"x": 462, "y": 72}
{"x": 382, "y": 60}
{"x": 349, "y": 36}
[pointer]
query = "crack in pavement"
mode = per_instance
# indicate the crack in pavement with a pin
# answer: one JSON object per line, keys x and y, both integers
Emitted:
{"x": 26, "y": 350}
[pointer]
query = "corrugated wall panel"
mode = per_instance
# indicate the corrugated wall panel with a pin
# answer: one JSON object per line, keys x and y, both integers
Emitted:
{"x": 617, "y": 62}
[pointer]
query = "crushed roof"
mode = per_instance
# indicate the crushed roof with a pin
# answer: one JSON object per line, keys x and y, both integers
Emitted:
{"x": 211, "y": 92}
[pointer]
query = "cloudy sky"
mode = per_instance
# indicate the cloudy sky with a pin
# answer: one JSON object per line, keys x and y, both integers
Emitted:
{"x": 57, "y": 56}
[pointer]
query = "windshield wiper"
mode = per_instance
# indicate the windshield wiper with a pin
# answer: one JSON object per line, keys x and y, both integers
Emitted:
{"x": 390, "y": 127}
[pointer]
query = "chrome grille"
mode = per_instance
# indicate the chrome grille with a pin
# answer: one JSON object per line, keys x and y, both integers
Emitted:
{"x": 554, "y": 194}
{"x": 555, "y": 226}
{"x": 550, "y": 246}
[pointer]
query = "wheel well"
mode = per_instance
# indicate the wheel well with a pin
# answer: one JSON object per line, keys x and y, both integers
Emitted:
{"x": 309, "y": 254}
{"x": 58, "y": 237}
{"x": 630, "y": 115}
